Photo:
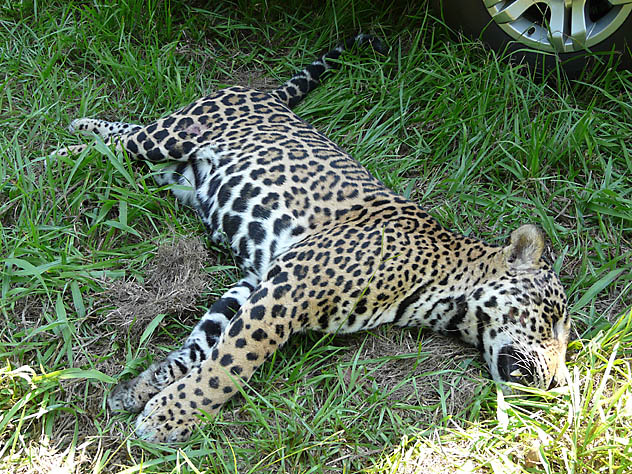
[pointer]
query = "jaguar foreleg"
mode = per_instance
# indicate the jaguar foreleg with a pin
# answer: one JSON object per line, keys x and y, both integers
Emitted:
{"x": 132, "y": 395}
{"x": 258, "y": 329}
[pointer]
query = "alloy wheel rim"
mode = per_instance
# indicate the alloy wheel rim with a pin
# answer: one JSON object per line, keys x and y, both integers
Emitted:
{"x": 563, "y": 26}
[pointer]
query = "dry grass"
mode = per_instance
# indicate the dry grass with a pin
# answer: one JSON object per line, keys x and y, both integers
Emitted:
{"x": 174, "y": 281}
{"x": 437, "y": 371}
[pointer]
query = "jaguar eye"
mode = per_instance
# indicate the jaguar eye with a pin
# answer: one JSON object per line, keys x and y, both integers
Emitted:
{"x": 517, "y": 374}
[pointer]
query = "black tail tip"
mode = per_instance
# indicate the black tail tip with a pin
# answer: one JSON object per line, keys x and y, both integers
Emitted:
{"x": 375, "y": 42}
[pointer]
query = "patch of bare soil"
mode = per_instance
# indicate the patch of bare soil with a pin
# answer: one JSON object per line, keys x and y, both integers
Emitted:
{"x": 255, "y": 79}
{"x": 174, "y": 281}
{"x": 29, "y": 311}
{"x": 442, "y": 361}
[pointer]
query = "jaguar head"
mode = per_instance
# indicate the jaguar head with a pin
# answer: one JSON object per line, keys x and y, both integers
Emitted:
{"x": 522, "y": 316}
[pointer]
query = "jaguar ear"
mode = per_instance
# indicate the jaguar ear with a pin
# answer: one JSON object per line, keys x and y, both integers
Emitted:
{"x": 525, "y": 248}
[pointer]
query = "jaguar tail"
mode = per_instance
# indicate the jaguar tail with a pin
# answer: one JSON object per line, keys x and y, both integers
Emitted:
{"x": 302, "y": 83}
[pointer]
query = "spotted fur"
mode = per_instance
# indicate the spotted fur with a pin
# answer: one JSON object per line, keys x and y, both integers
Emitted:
{"x": 323, "y": 245}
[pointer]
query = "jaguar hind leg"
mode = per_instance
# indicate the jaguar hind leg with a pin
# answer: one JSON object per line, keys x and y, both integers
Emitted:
{"x": 106, "y": 129}
{"x": 87, "y": 126}
{"x": 172, "y": 138}
{"x": 132, "y": 395}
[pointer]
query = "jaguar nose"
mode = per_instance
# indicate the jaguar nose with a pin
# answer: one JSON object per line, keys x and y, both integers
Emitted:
{"x": 561, "y": 375}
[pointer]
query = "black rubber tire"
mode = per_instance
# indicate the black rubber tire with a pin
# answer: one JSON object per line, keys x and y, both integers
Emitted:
{"x": 472, "y": 18}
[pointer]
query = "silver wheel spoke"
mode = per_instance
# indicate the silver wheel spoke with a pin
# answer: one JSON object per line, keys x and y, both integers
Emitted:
{"x": 513, "y": 11}
{"x": 578, "y": 23}
{"x": 620, "y": 2}
{"x": 559, "y": 11}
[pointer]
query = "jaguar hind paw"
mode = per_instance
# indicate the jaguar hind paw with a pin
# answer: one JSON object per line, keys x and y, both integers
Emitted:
{"x": 71, "y": 150}
{"x": 166, "y": 418}
{"x": 74, "y": 126}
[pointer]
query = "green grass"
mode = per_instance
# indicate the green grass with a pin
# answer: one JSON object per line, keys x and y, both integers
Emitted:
{"x": 473, "y": 139}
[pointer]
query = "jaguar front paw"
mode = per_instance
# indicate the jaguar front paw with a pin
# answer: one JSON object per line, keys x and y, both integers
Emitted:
{"x": 133, "y": 395}
{"x": 74, "y": 126}
{"x": 165, "y": 420}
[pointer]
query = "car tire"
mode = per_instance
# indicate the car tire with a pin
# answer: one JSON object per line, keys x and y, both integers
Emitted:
{"x": 473, "y": 19}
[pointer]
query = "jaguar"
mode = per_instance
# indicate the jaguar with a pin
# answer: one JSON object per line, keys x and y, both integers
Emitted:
{"x": 323, "y": 245}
